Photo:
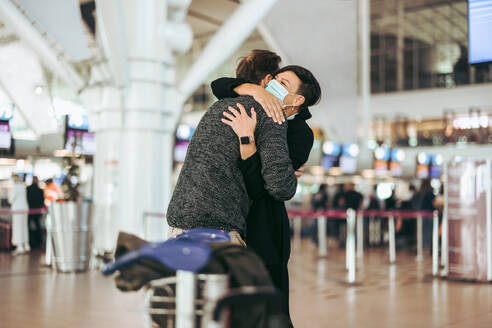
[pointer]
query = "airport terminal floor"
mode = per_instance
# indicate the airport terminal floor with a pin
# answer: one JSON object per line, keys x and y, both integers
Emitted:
{"x": 400, "y": 295}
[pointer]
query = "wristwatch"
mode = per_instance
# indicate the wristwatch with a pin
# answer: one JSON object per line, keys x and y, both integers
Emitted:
{"x": 246, "y": 140}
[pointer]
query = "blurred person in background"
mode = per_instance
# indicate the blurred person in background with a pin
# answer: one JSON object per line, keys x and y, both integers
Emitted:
{"x": 319, "y": 200}
{"x": 338, "y": 203}
{"x": 425, "y": 202}
{"x": 20, "y": 230}
{"x": 373, "y": 223}
{"x": 352, "y": 199}
{"x": 51, "y": 192}
{"x": 374, "y": 203}
{"x": 339, "y": 199}
{"x": 35, "y": 200}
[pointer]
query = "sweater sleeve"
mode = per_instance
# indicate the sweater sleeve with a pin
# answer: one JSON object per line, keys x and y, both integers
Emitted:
{"x": 276, "y": 166}
{"x": 224, "y": 87}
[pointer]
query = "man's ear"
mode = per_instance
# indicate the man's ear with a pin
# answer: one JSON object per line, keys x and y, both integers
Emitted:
{"x": 265, "y": 80}
{"x": 299, "y": 100}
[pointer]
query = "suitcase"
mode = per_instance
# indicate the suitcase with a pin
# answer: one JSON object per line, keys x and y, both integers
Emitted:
{"x": 5, "y": 236}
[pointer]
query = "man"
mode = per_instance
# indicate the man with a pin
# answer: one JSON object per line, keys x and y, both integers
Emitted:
{"x": 268, "y": 229}
{"x": 35, "y": 200}
{"x": 210, "y": 192}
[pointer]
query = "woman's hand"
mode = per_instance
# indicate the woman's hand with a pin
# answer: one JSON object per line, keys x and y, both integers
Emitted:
{"x": 300, "y": 171}
{"x": 272, "y": 106}
{"x": 242, "y": 124}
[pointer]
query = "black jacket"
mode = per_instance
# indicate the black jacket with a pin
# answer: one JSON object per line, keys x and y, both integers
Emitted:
{"x": 35, "y": 196}
{"x": 267, "y": 224}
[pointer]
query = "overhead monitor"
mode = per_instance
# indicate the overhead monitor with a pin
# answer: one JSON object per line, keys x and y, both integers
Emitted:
{"x": 5, "y": 135}
{"x": 479, "y": 31}
{"x": 381, "y": 159}
{"x": 80, "y": 142}
{"x": 348, "y": 159}
{"x": 78, "y": 122}
{"x": 180, "y": 150}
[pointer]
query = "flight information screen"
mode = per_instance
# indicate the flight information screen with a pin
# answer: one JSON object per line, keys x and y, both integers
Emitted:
{"x": 480, "y": 31}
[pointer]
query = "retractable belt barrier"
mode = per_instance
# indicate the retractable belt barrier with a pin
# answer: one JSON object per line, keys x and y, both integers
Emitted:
{"x": 5, "y": 211}
{"x": 355, "y": 219}
{"x": 355, "y": 231}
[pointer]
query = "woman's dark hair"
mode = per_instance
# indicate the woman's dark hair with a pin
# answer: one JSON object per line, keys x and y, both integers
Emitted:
{"x": 258, "y": 64}
{"x": 309, "y": 88}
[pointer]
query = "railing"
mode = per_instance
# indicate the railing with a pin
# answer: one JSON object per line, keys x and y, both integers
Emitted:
{"x": 355, "y": 233}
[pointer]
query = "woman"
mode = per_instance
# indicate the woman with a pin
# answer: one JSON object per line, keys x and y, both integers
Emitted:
{"x": 18, "y": 202}
{"x": 268, "y": 230}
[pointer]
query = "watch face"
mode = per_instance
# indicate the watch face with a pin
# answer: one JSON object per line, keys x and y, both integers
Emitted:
{"x": 245, "y": 141}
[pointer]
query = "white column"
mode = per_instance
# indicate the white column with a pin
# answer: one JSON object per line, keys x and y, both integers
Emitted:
{"x": 400, "y": 45}
{"x": 106, "y": 122}
{"x": 364, "y": 9}
{"x": 135, "y": 130}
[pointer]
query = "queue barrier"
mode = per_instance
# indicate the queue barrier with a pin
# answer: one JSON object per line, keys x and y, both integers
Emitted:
{"x": 6, "y": 226}
{"x": 355, "y": 231}
{"x": 355, "y": 226}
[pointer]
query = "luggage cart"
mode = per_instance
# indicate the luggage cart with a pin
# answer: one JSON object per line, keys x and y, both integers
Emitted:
{"x": 186, "y": 300}
{"x": 191, "y": 299}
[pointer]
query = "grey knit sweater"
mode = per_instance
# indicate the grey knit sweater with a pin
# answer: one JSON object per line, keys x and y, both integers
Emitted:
{"x": 210, "y": 192}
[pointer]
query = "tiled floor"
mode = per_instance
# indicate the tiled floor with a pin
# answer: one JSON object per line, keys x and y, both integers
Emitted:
{"x": 400, "y": 295}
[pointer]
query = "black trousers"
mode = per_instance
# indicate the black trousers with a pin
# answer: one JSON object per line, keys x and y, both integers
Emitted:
{"x": 35, "y": 231}
{"x": 280, "y": 278}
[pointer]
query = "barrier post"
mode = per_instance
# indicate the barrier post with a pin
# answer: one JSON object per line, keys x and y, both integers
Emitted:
{"x": 322, "y": 247}
{"x": 350, "y": 245}
{"x": 48, "y": 257}
{"x": 144, "y": 225}
{"x": 419, "y": 238}
{"x": 444, "y": 246}
{"x": 392, "y": 241}
{"x": 186, "y": 285}
{"x": 372, "y": 231}
{"x": 297, "y": 230}
{"x": 444, "y": 237}
{"x": 435, "y": 243}
{"x": 360, "y": 235}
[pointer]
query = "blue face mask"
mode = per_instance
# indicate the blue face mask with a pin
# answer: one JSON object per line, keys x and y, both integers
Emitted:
{"x": 277, "y": 90}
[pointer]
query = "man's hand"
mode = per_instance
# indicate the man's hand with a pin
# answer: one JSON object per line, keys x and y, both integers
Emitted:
{"x": 242, "y": 124}
{"x": 300, "y": 172}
